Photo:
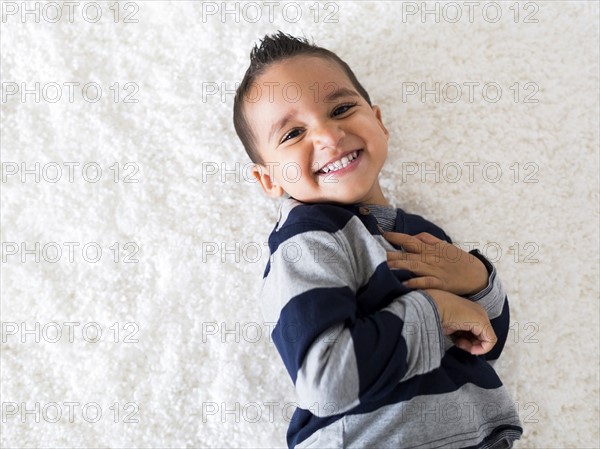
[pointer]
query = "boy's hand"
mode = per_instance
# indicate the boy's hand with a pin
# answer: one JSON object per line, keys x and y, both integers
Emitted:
{"x": 465, "y": 321}
{"x": 437, "y": 264}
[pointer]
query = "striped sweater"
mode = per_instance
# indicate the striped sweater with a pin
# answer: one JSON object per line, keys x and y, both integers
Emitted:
{"x": 368, "y": 357}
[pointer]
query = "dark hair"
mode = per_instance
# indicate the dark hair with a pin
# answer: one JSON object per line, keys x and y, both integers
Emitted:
{"x": 272, "y": 49}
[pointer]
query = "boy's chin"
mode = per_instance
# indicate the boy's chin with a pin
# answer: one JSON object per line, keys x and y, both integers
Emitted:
{"x": 344, "y": 200}
{"x": 336, "y": 201}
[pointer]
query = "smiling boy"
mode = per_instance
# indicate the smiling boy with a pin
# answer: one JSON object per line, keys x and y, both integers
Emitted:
{"x": 380, "y": 356}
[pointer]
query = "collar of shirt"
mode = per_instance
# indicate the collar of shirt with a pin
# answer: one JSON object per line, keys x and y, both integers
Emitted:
{"x": 385, "y": 215}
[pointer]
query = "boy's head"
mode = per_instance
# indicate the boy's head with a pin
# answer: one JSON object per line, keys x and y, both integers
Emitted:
{"x": 308, "y": 124}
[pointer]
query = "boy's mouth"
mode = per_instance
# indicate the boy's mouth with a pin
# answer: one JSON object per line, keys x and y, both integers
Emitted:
{"x": 338, "y": 164}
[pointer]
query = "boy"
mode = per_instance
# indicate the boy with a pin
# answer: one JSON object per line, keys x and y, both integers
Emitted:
{"x": 386, "y": 347}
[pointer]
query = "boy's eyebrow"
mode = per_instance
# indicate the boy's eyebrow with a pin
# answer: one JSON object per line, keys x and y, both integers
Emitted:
{"x": 329, "y": 98}
{"x": 340, "y": 92}
{"x": 281, "y": 123}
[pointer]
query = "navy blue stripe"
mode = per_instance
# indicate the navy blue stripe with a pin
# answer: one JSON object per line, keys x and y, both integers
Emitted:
{"x": 380, "y": 354}
{"x": 413, "y": 224}
{"x": 501, "y": 328}
{"x": 305, "y": 317}
{"x": 268, "y": 267}
{"x": 458, "y": 368}
{"x": 311, "y": 217}
{"x": 303, "y": 424}
{"x": 382, "y": 288}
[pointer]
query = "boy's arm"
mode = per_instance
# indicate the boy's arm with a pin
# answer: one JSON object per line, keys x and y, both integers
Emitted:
{"x": 456, "y": 271}
{"x": 337, "y": 355}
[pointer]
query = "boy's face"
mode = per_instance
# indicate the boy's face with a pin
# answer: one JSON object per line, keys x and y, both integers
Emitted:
{"x": 320, "y": 140}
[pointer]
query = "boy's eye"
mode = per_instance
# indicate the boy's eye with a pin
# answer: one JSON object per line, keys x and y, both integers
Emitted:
{"x": 343, "y": 108}
{"x": 337, "y": 111}
{"x": 290, "y": 135}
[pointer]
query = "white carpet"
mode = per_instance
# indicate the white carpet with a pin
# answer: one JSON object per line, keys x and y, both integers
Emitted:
{"x": 189, "y": 382}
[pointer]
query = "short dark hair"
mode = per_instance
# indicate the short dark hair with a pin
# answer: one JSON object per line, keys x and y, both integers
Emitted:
{"x": 274, "y": 48}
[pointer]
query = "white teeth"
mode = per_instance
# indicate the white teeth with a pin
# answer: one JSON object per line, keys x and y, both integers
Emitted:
{"x": 341, "y": 163}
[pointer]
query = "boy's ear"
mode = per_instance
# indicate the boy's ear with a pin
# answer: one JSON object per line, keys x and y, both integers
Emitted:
{"x": 377, "y": 111}
{"x": 266, "y": 181}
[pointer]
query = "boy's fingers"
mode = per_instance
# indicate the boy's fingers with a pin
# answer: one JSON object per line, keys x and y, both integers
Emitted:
{"x": 423, "y": 283}
{"x": 471, "y": 343}
{"x": 472, "y": 347}
{"x": 393, "y": 256}
{"x": 474, "y": 337}
{"x": 464, "y": 342}
{"x": 486, "y": 339}
{"x": 483, "y": 347}
{"x": 397, "y": 255}
{"x": 407, "y": 263}
{"x": 408, "y": 242}
{"x": 426, "y": 237}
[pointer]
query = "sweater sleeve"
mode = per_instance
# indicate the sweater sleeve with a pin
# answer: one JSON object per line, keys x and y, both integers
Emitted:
{"x": 345, "y": 335}
{"x": 495, "y": 302}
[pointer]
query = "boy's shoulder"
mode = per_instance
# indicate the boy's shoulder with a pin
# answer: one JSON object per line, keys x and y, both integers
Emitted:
{"x": 306, "y": 224}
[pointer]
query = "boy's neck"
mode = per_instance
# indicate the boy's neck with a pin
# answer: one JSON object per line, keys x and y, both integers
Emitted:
{"x": 377, "y": 197}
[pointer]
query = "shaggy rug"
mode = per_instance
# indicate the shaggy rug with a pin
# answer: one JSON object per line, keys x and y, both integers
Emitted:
{"x": 133, "y": 237}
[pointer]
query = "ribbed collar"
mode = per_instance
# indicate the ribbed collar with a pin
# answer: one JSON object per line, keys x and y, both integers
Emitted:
{"x": 385, "y": 215}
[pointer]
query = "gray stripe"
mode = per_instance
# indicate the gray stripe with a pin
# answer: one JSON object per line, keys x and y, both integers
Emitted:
{"x": 456, "y": 419}
{"x": 422, "y": 331}
{"x": 327, "y": 382}
{"x": 492, "y": 297}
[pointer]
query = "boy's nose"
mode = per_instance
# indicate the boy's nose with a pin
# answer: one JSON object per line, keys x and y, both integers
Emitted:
{"x": 327, "y": 135}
